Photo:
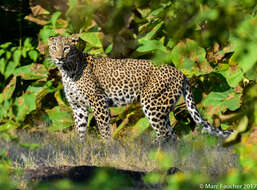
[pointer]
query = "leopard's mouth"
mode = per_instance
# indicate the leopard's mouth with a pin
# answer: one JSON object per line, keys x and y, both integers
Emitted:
{"x": 59, "y": 62}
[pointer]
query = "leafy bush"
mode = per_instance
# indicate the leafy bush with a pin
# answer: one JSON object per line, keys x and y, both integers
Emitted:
{"x": 213, "y": 42}
{"x": 21, "y": 91}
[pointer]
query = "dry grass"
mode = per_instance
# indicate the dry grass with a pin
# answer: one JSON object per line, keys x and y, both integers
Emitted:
{"x": 58, "y": 149}
{"x": 192, "y": 154}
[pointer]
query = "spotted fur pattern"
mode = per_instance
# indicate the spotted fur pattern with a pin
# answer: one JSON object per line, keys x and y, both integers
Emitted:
{"x": 103, "y": 82}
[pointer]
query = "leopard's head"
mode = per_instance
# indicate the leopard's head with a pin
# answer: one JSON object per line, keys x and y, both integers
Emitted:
{"x": 63, "y": 49}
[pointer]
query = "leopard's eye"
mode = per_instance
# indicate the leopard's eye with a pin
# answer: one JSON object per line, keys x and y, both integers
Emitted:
{"x": 53, "y": 48}
{"x": 66, "y": 48}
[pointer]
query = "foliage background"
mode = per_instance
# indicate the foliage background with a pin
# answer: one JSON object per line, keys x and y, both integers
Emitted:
{"x": 213, "y": 42}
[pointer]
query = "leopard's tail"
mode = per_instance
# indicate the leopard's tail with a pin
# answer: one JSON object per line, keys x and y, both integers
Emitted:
{"x": 191, "y": 106}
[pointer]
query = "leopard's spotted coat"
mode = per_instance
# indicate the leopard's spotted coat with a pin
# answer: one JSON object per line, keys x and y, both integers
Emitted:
{"x": 101, "y": 82}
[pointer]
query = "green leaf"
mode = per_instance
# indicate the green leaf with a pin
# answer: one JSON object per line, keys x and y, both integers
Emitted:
{"x": 245, "y": 42}
{"x": 161, "y": 57}
{"x": 5, "y": 109}
{"x": 49, "y": 64}
{"x": 90, "y": 117}
{"x": 117, "y": 110}
{"x": 233, "y": 75}
{"x": 31, "y": 72}
{"x": 241, "y": 128}
{"x": 17, "y": 56}
{"x": 39, "y": 92}
{"x": 150, "y": 45}
{"x": 54, "y": 18}
{"x": 2, "y": 65}
{"x": 27, "y": 43}
{"x": 2, "y": 51}
{"x": 33, "y": 54}
{"x": 24, "y": 105}
{"x": 5, "y": 45}
{"x": 5, "y": 136}
{"x": 61, "y": 118}
{"x": 46, "y": 32}
{"x": 11, "y": 65}
{"x": 10, "y": 68}
{"x": 217, "y": 102}
{"x": 8, "y": 125}
{"x": 92, "y": 38}
{"x": 171, "y": 43}
{"x": 151, "y": 34}
{"x": 156, "y": 11}
{"x": 140, "y": 127}
{"x": 59, "y": 98}
{"x": 251, "y": 74}
{"x": 245, "y": 58}
{"x": 72, "y": 3}
{"x": 97, "y": 51}
{"x": 108, "y": 49}
{"x": 122, "y": 125}
{"x": 153, "y": 178}
{"x": 8, "y": 55}
{"x": 8, "y": 90}
{"x": 189, "y": 57}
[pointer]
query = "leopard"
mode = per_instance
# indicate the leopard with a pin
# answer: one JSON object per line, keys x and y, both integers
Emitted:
{"x": 101, "y": 82}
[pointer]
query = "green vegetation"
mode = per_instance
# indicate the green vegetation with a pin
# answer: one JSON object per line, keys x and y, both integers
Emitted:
{"x": 213, "y": 42}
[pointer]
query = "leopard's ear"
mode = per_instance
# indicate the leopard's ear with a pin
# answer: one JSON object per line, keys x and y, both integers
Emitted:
{"x": 74, "y": 38}
{"x": 51, "y": 38}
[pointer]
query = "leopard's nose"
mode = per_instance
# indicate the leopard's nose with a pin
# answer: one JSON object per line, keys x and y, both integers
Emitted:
{"x": 60, "y": 60}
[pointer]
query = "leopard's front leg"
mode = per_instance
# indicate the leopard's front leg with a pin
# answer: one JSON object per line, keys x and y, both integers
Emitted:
{"x": 99, "y": 105}
{"x": 80, "y": 115}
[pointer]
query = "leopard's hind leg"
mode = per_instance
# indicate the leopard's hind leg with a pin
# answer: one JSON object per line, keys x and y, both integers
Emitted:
{"x": 156, "y": 107}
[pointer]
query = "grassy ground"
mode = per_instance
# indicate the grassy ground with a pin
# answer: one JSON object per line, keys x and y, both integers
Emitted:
{"x": 193, "y": 153}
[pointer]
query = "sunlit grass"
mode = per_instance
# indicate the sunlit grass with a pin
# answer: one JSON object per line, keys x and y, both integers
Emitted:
{"x": 200, "y": 153}
{"x": 193, "y": 154}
